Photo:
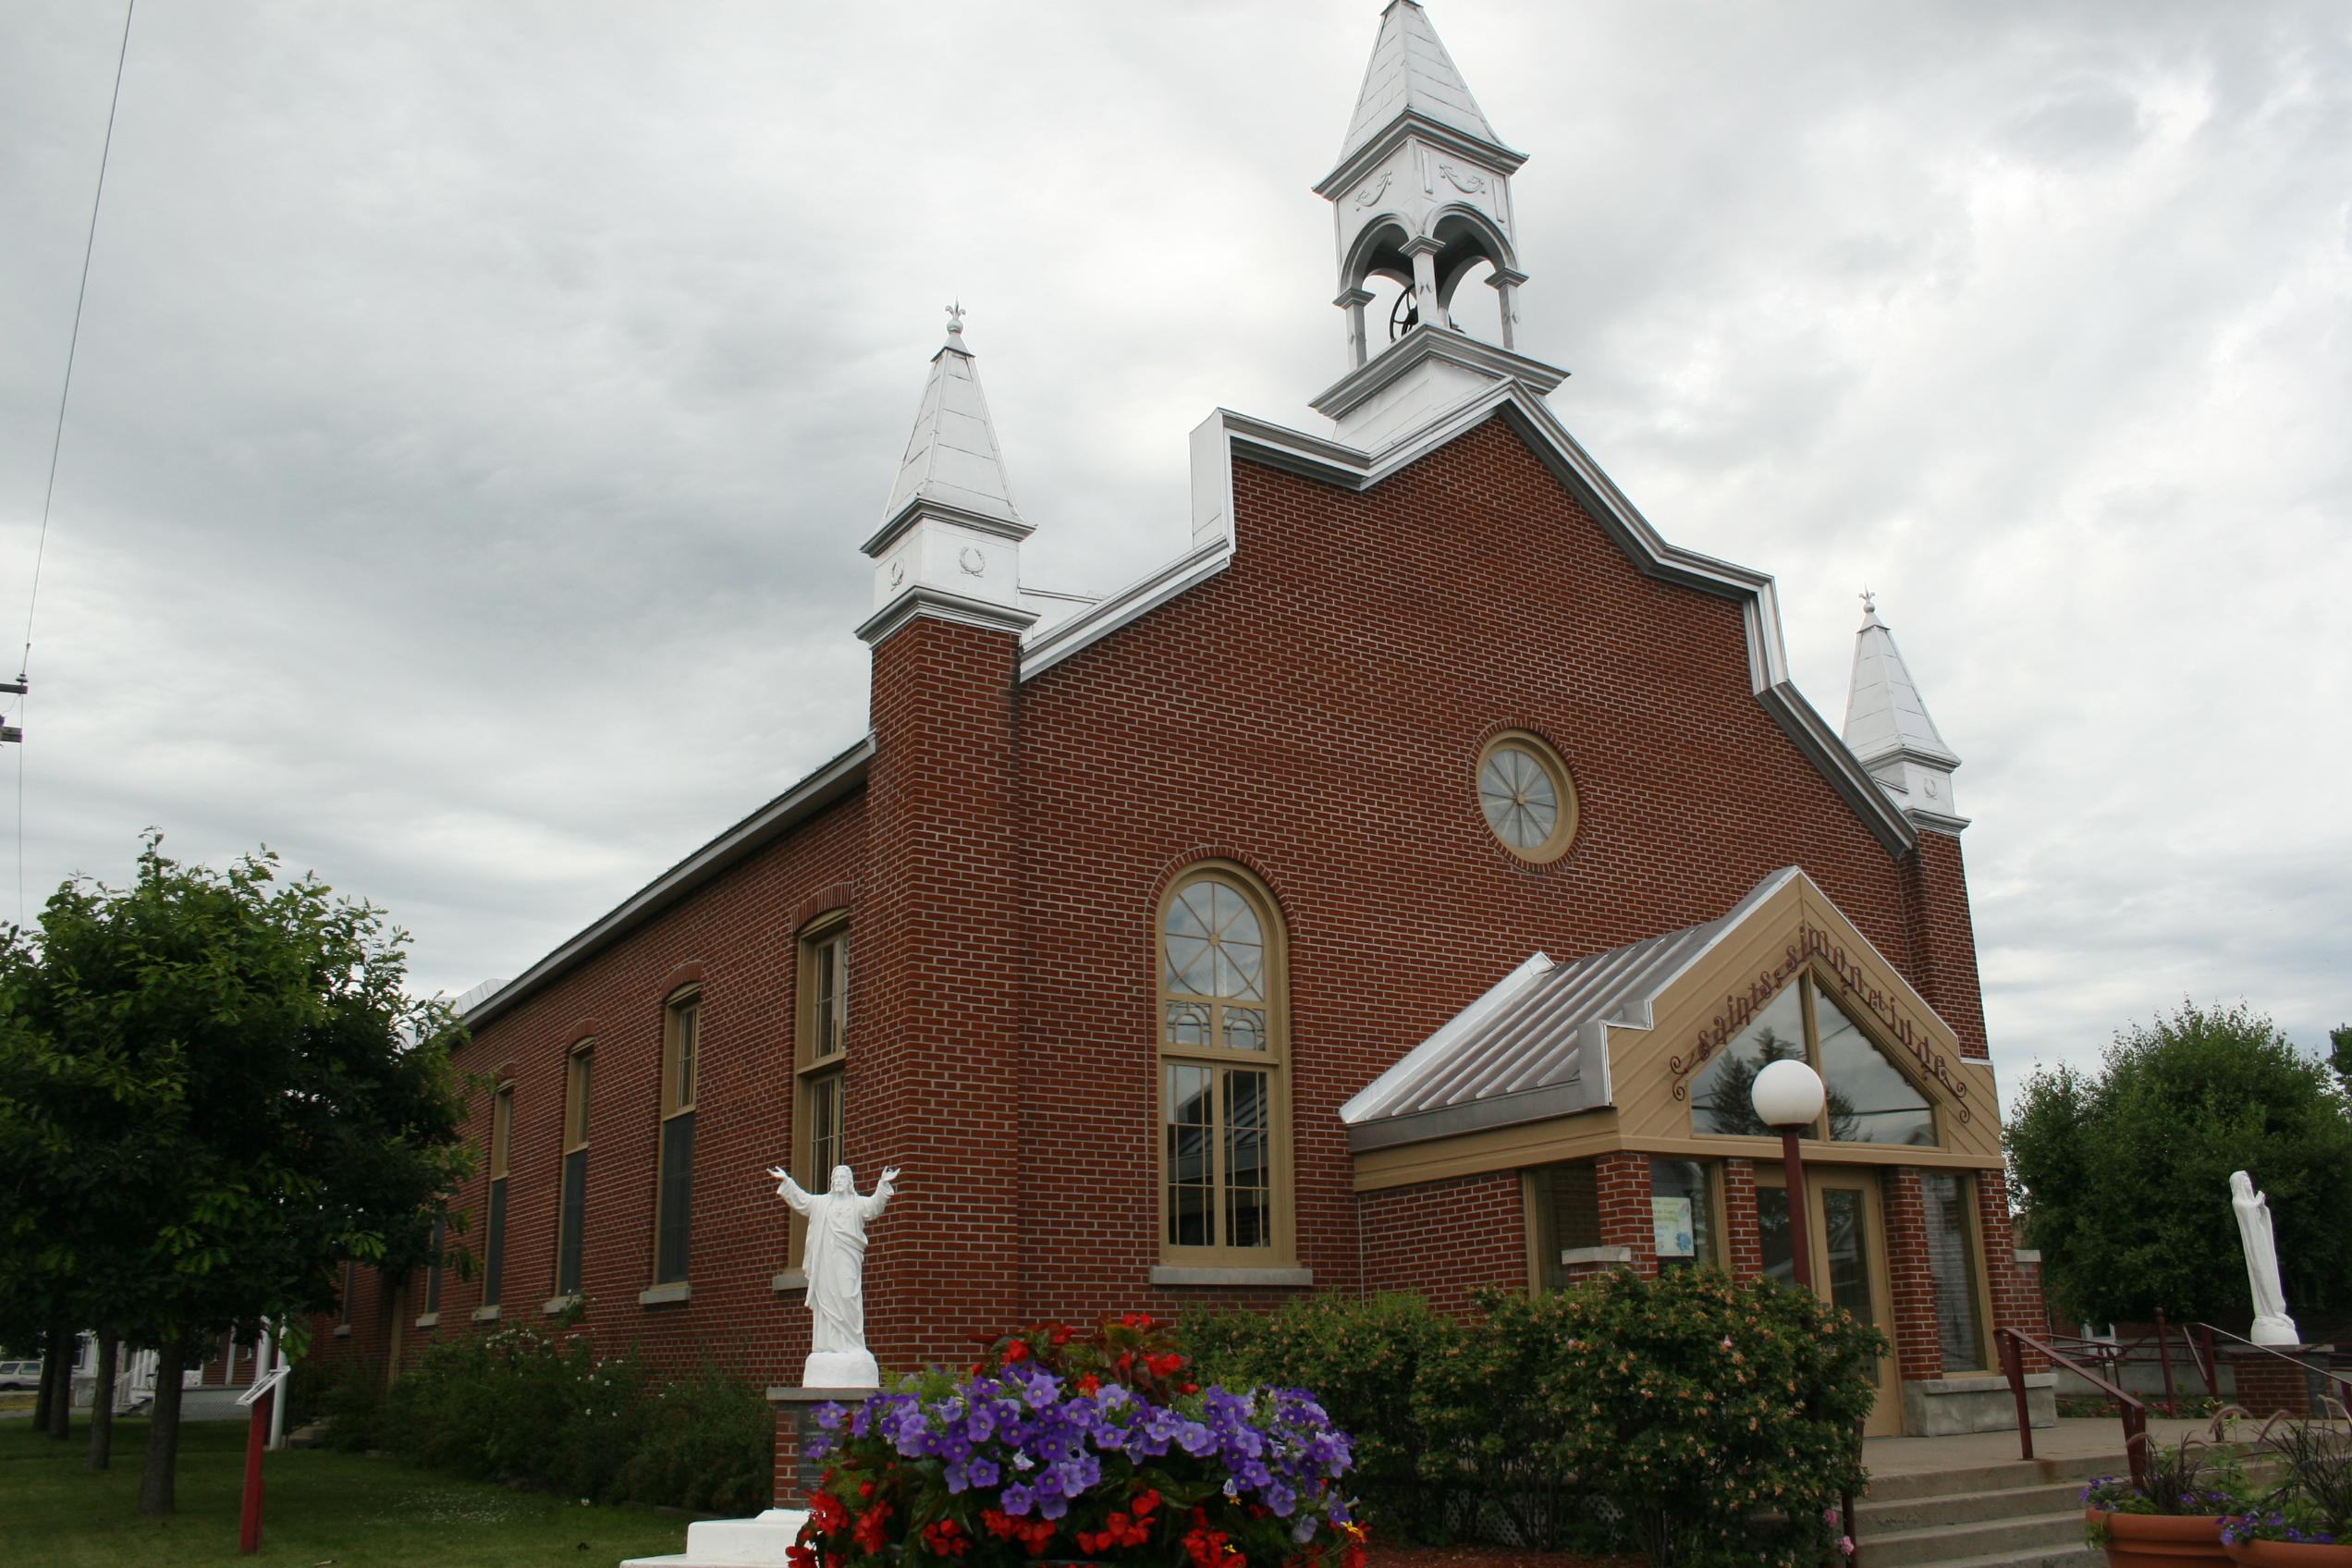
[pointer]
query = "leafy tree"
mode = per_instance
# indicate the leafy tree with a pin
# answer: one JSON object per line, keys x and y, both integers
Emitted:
{"x": 213, "y": 1090}
{"x": 2123, "y": 1174}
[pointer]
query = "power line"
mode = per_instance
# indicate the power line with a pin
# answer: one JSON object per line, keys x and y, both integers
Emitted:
{"x": 58, "y": 437}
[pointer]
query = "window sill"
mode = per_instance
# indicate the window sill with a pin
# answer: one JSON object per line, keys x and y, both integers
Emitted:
{"x": 429, "y": 1320}
{"x": 342, "y": 1331}
{"x": 1186, "y": 1274}
{"x": 789, "y": 1280}
{"x": 485, "y": 1315}
{"x": 555, "y": 1305}
{"x": 1569, "y": 1256}
{"x": 2029, "y": 1255}
{"x": 662, "y": 1295}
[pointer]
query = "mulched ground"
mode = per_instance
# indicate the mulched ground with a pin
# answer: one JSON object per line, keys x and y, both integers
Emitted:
{"x": 1380, "y": 1556}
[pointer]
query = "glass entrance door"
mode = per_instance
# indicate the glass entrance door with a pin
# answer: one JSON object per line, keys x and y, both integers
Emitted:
{"x": 1847, "y": 1236}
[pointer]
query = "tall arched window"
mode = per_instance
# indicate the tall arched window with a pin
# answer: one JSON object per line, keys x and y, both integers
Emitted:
{"x": 1224, "y": 1103}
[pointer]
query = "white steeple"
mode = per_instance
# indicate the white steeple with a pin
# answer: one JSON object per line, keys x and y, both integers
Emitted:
{"x": 1886, "y": 727}
{"x": 949, "y": 544}
{"x": 1421, "y": 196}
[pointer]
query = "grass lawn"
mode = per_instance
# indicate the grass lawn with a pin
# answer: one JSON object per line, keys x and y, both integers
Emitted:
{"x": 323, "y": 1508}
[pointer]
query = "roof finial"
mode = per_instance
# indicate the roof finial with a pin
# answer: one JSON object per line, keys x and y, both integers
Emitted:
{"x": 955, "y": 323}
{"x": 1869, "y": 607}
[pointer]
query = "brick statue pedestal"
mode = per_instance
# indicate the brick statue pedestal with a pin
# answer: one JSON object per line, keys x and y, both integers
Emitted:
{"x": 2270, "y": 1386}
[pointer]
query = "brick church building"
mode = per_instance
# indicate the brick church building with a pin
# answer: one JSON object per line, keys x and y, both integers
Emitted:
{"x": 1395, "y": 891}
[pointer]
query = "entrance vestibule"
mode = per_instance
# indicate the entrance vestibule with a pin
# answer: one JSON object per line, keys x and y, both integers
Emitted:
{"x": 1845, "y": 1230}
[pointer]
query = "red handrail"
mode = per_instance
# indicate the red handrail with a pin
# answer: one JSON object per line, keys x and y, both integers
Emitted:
{"x": 2134, "y": 1413}
{"x": 2340, "y": 1380}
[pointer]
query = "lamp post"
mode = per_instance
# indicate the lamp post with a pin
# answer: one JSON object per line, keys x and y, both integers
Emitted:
{"x": 1788, "y": 1097}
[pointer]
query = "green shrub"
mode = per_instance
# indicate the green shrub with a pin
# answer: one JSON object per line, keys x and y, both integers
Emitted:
{"x": 709, "y": 1444}
{"x": 1361, "y": 1357}
{"x": 347, "y": 1395}
{"x": 519, "y": 1404}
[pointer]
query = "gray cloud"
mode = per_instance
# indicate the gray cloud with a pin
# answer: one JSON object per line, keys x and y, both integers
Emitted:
{"x": 480, "y": 405}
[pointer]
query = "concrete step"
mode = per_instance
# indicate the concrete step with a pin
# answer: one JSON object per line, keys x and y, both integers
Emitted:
{"x": 1874, "y": 1517}
{"x": 2006, "y": 1540}
{"x": 2078, "y": 1556}
{"x": 2015, "y": 1473}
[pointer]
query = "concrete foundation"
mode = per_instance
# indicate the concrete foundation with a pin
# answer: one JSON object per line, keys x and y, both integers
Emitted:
{"x": 1944, "y": 1407}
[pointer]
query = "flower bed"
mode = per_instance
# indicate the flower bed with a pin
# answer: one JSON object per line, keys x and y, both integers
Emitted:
{"x": 1065, "y": 1445}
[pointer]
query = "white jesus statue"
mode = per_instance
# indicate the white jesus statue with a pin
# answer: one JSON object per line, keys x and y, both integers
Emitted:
{"x": 834, "y": 1260}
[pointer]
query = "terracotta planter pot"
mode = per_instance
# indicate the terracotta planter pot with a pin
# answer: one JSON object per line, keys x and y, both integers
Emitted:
{"x": 2162, "y": 1540}
{"x": 2289, "y": 1554}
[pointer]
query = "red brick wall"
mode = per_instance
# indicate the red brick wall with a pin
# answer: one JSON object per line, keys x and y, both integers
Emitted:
{"x": 2017, "y": 1293}
{"x": 1746, "y": 1247}
{"x": 1624, "y": 1181}
{"x": 1918, "y": 1347}
{"x": 1445, "y": 1239}
{"x": 1944, "y": 939}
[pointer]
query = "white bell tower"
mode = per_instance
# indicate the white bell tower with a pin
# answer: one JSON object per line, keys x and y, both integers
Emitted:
{"x": 1420, "y": 197}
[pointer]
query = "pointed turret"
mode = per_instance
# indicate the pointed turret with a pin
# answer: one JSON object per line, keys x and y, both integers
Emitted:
{"x": 950, "y": 544}
{"x": 1411, "y": 72}
{"x": 1887, "y": 726}
{"x": 1422, "y": 198}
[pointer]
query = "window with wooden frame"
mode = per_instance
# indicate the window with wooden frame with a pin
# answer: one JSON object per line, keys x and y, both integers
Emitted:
{"x": 433, "y": 1270}
{"x": 1949, "y": 1199}
{"x": 571, "y": 1225}
{"x": 681, "y": 1042}
{"x": 1872, "y": 1100}
{"x": 493, "y": 1232}
{"x": 820, "y": 1135}
{"x": 1224, "y": 1039}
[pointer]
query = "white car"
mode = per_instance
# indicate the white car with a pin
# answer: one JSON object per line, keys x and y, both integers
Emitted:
{"x": 19, "y": 1374}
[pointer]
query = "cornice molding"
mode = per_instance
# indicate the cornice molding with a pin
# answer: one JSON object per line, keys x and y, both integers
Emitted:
{"x": 1430, "y": 341}
{"x": 915, "y": 511}
{"x": 922, "y": 600}
{"x": 1139, "y": 599}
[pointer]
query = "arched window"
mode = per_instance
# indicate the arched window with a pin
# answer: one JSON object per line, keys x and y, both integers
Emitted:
{"x": 1224, "y": 1104}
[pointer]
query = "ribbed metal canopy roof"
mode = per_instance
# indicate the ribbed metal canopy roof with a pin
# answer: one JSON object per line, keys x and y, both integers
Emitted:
{"x": 1535, "y": 1045}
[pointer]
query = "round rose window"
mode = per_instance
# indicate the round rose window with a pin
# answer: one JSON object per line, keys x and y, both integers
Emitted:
{"x": 1529, "y": 800}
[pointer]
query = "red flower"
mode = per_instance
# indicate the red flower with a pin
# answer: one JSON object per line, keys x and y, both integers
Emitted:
{"x": 801, "y": 1556}
{"x": 826, "y": 1513}
{"x": 1166, "y": 1366}
{"x": 1208, "y": 1549}
{"x": 1015, "y": 1352}
{"x": 1089, "y": 1384}
{"x": 869, "y": 1533}
{"x": 945, "y": 1538}
{"x": 1061, "y": 1335}
{"x": 865, "y": 1488}
{"x": 1145, "y": 1503}
{"x": 1188, "y": 1388}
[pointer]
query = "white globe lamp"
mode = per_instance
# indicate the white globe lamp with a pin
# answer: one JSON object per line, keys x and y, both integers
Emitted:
{"x": 1787, "y": 1093}
{"x": 1788, "y": 1097}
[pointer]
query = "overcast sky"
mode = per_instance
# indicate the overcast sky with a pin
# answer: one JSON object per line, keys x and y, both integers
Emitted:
{"x": 479, "y": 407}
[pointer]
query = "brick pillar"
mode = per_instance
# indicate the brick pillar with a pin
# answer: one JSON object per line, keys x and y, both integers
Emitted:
{"x": 1918, "y": 1347}
{"x": 1744, "y": 1245}
{"x": 935, "y": 1067}
{"x": 1943, "y": 940}
{"x": 1624, "y": 1181}
{"x": 2016, "y": 1294}
{"x": 2268, "y": 1385}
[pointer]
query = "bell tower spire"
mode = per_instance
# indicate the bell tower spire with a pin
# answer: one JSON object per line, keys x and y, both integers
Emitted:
{"x": 1888, "y": 728}
{"x": 1421, "y": 197}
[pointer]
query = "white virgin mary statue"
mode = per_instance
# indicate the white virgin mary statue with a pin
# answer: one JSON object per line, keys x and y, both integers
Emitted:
{"x": 834, "y": 1260}
{"x": 2271, "y": 1325}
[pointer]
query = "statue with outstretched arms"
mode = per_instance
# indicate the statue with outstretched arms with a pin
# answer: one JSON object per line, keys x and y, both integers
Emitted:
{"x": 834, "y": 1260}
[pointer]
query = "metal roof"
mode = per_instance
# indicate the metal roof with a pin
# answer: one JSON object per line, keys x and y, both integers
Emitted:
{"x": 1536, "y": 1045}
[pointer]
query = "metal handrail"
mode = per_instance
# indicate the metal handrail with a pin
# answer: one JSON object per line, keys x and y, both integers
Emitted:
{"x": 2134, "y": 1413}
{"x": 2332, "y": 1375}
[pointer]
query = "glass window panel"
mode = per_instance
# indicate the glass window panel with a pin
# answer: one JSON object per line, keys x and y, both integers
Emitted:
{"x": 1720, "y": 1093}
{"x": 432, "y": 1275}
{"x": 1870, "y": 1100}
{"x": 1191, "y": 1168}
{"x": 1682, "y": 1213}
{"x": 1249, "y": 1166}
{"x": 1567, "y": 1217}
{"x": 1521, "y": 802}
{"x": 494, "y": 1245}
{"x": 1244, "y": 1029}
{"x": 1952, "y": 1264}
{"x": 1842, "y": 1212}
{"x": 688, "y": 1031}
{"x": 572, "y": 1224}
{"x": 1187, "y": 1024}
{"x": 581, "y": 1063}
{"x": 832, "y": 1001}
{"x": 1772, "y": 1231}
{"x": 1215, "y": 944}
{"x": 677, "y": 1198}
{"x": 824, "y": 1130}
